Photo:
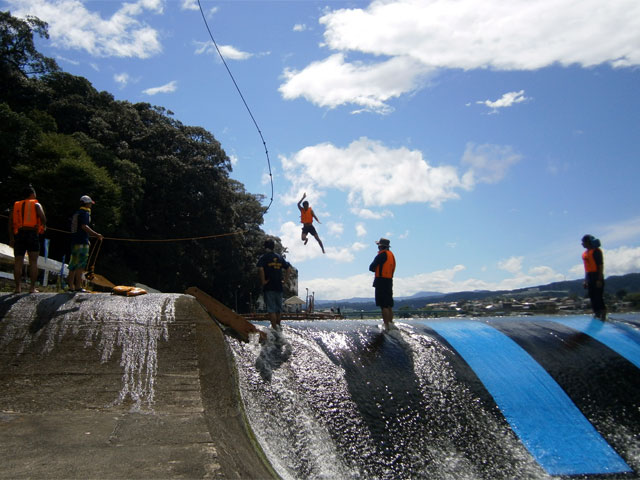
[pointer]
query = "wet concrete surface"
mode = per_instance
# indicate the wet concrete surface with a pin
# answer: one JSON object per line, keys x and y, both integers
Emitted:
{"x": 99, "y": 386}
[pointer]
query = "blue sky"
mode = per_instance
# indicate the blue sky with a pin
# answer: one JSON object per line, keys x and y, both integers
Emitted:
{"x": 482, "y": 138}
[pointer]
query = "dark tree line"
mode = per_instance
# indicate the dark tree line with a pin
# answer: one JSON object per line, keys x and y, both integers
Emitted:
{"x": 152, "y": 177}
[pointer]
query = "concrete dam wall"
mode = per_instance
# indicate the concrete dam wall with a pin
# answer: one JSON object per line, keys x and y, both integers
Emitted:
{"x": 102, "y": 386}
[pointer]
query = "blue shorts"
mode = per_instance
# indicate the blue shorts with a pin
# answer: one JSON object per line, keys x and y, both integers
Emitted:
{"x": 79, "y": 257}
{"x": 273, "y": 301}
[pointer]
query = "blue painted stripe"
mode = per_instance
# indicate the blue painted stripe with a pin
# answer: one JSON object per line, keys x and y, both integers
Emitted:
{"x": 548, "y": 423}
{"x": 622, "y": 339}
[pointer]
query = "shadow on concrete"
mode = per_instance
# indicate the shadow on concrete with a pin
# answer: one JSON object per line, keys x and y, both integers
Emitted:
{"x": 62, "y": 412}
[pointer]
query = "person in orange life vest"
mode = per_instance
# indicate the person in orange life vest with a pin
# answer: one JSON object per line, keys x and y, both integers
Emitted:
{"x": 594, "y": 275}
{"x": 80, "y": 232}
{"x": 384, "y": 265}
{"x": 306, "y": 218}
{"x": 26, "y": 223}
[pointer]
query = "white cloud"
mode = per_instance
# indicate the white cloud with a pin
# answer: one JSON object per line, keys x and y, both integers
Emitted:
{"x": 299, "y": 27}
{"x": 620, "y": 232}
{"x": 227, "y": 51}
{"x": 232, "y": 53}
{"x": 367, "y": 214}
{"x": 122, "y": 78}
{"x": 336, "y": 229}
{"x": 73, "y": 26}
{"x": 67, "y": 60}
{"x": 620, "y": 261}
{"x": 362, "y": 170}
{"x": 511, "y": 265}
{"x": 417, "y": 37}
{"x": 166, "y": 88}
{"x": 361, "y": 231}
{"x": 189, "y": 5}
{"x": 445, "y": 281}
{"x": 507, "y": 100}
{"x": 298, "y": 252}
{"x": 333, "y": 82}
{"x": 487, "y": 163}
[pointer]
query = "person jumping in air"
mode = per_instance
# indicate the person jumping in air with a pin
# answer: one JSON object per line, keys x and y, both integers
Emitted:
{"x": 306, "y": 218}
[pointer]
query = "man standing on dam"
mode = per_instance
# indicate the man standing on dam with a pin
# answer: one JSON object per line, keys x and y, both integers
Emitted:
{"x": 273, "y": 270}
{"x": 26, "y": 223}
{"x": 384, "y": 265}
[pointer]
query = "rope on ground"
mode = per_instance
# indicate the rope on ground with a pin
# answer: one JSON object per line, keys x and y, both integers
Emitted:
{"x": 243, "y": 101}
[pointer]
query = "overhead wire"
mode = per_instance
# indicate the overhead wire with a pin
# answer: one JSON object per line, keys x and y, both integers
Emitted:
{"x": 264, "y": 143}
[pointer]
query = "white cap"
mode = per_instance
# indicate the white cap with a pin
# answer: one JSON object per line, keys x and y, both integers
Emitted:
{"x": 86, "y": 199}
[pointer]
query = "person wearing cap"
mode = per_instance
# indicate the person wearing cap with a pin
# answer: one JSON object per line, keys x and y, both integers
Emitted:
{"x": 593, "y": 260}
{"x": 80, "y": 232}
{"x": 273, "y": 271}
{"x": 26, "y": 223}
{"x": 306, "y": 218}
{"x": 384, "y": 265}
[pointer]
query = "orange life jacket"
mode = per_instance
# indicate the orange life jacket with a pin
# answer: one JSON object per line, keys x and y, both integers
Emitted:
{"x": 589, "y": 262}
{"x": 306, "y": 216}
{"x": 25, "y": 215}
{"x": 388, "y": 267}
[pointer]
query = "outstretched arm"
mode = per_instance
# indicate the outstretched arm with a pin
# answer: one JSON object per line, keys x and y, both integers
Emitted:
{"x": 314, "y": 216}
{"x": 91, "y": 231}
{"x": 304, "y": 195}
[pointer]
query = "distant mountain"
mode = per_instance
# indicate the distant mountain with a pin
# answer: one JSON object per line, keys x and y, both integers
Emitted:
{"x": 628, "y": 283}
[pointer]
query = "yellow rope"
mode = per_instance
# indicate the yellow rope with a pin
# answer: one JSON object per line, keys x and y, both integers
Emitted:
{"x": 183, "y": 239}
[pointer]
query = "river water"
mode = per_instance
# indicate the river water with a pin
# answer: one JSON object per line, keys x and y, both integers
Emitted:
{"x": 502, "y": 398}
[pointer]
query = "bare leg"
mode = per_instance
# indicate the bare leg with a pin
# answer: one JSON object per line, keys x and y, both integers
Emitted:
{"x": 75, "y": 279}
{"x": 33, "y": 270}
{"x": 387, "y": 315}
{"x": 17, "y": 273}
{"x": 320, "y": 242}
{"x": 274, "y": 318}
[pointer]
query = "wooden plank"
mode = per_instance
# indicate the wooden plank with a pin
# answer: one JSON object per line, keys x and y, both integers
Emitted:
{"x": 224, "y": 315}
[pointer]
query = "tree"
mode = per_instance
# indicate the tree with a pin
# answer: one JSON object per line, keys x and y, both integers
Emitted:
{"x": 153, "y": 178}
{"x": 18, "y": 54}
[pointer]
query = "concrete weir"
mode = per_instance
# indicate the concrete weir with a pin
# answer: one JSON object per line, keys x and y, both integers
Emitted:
{"x": 102, "y": 386}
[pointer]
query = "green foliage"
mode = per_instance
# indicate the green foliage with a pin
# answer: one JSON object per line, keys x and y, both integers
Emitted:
{"x": 18, "y": 54}
{"x": 152, "y": 177}
{"x": 634, "y": 298}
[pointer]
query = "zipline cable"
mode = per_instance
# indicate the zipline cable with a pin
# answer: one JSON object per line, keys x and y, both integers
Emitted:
{"x": 266, "y": 151}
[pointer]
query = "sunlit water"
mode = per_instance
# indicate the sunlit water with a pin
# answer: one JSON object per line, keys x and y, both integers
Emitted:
{"x": 131, "y": 326}
{"x": 342, "y": 399}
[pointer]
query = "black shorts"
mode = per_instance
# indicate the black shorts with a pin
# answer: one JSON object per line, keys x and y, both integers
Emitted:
{"x": 384, "y": 292}
{"x": 309, "y": 229}
{"x": 26, "y": 241}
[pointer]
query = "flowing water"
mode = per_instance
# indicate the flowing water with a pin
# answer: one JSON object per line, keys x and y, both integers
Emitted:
{"x": 107, "y": 323}
{"x": 501, "y": 398}
{"x": 343, "y": 399}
